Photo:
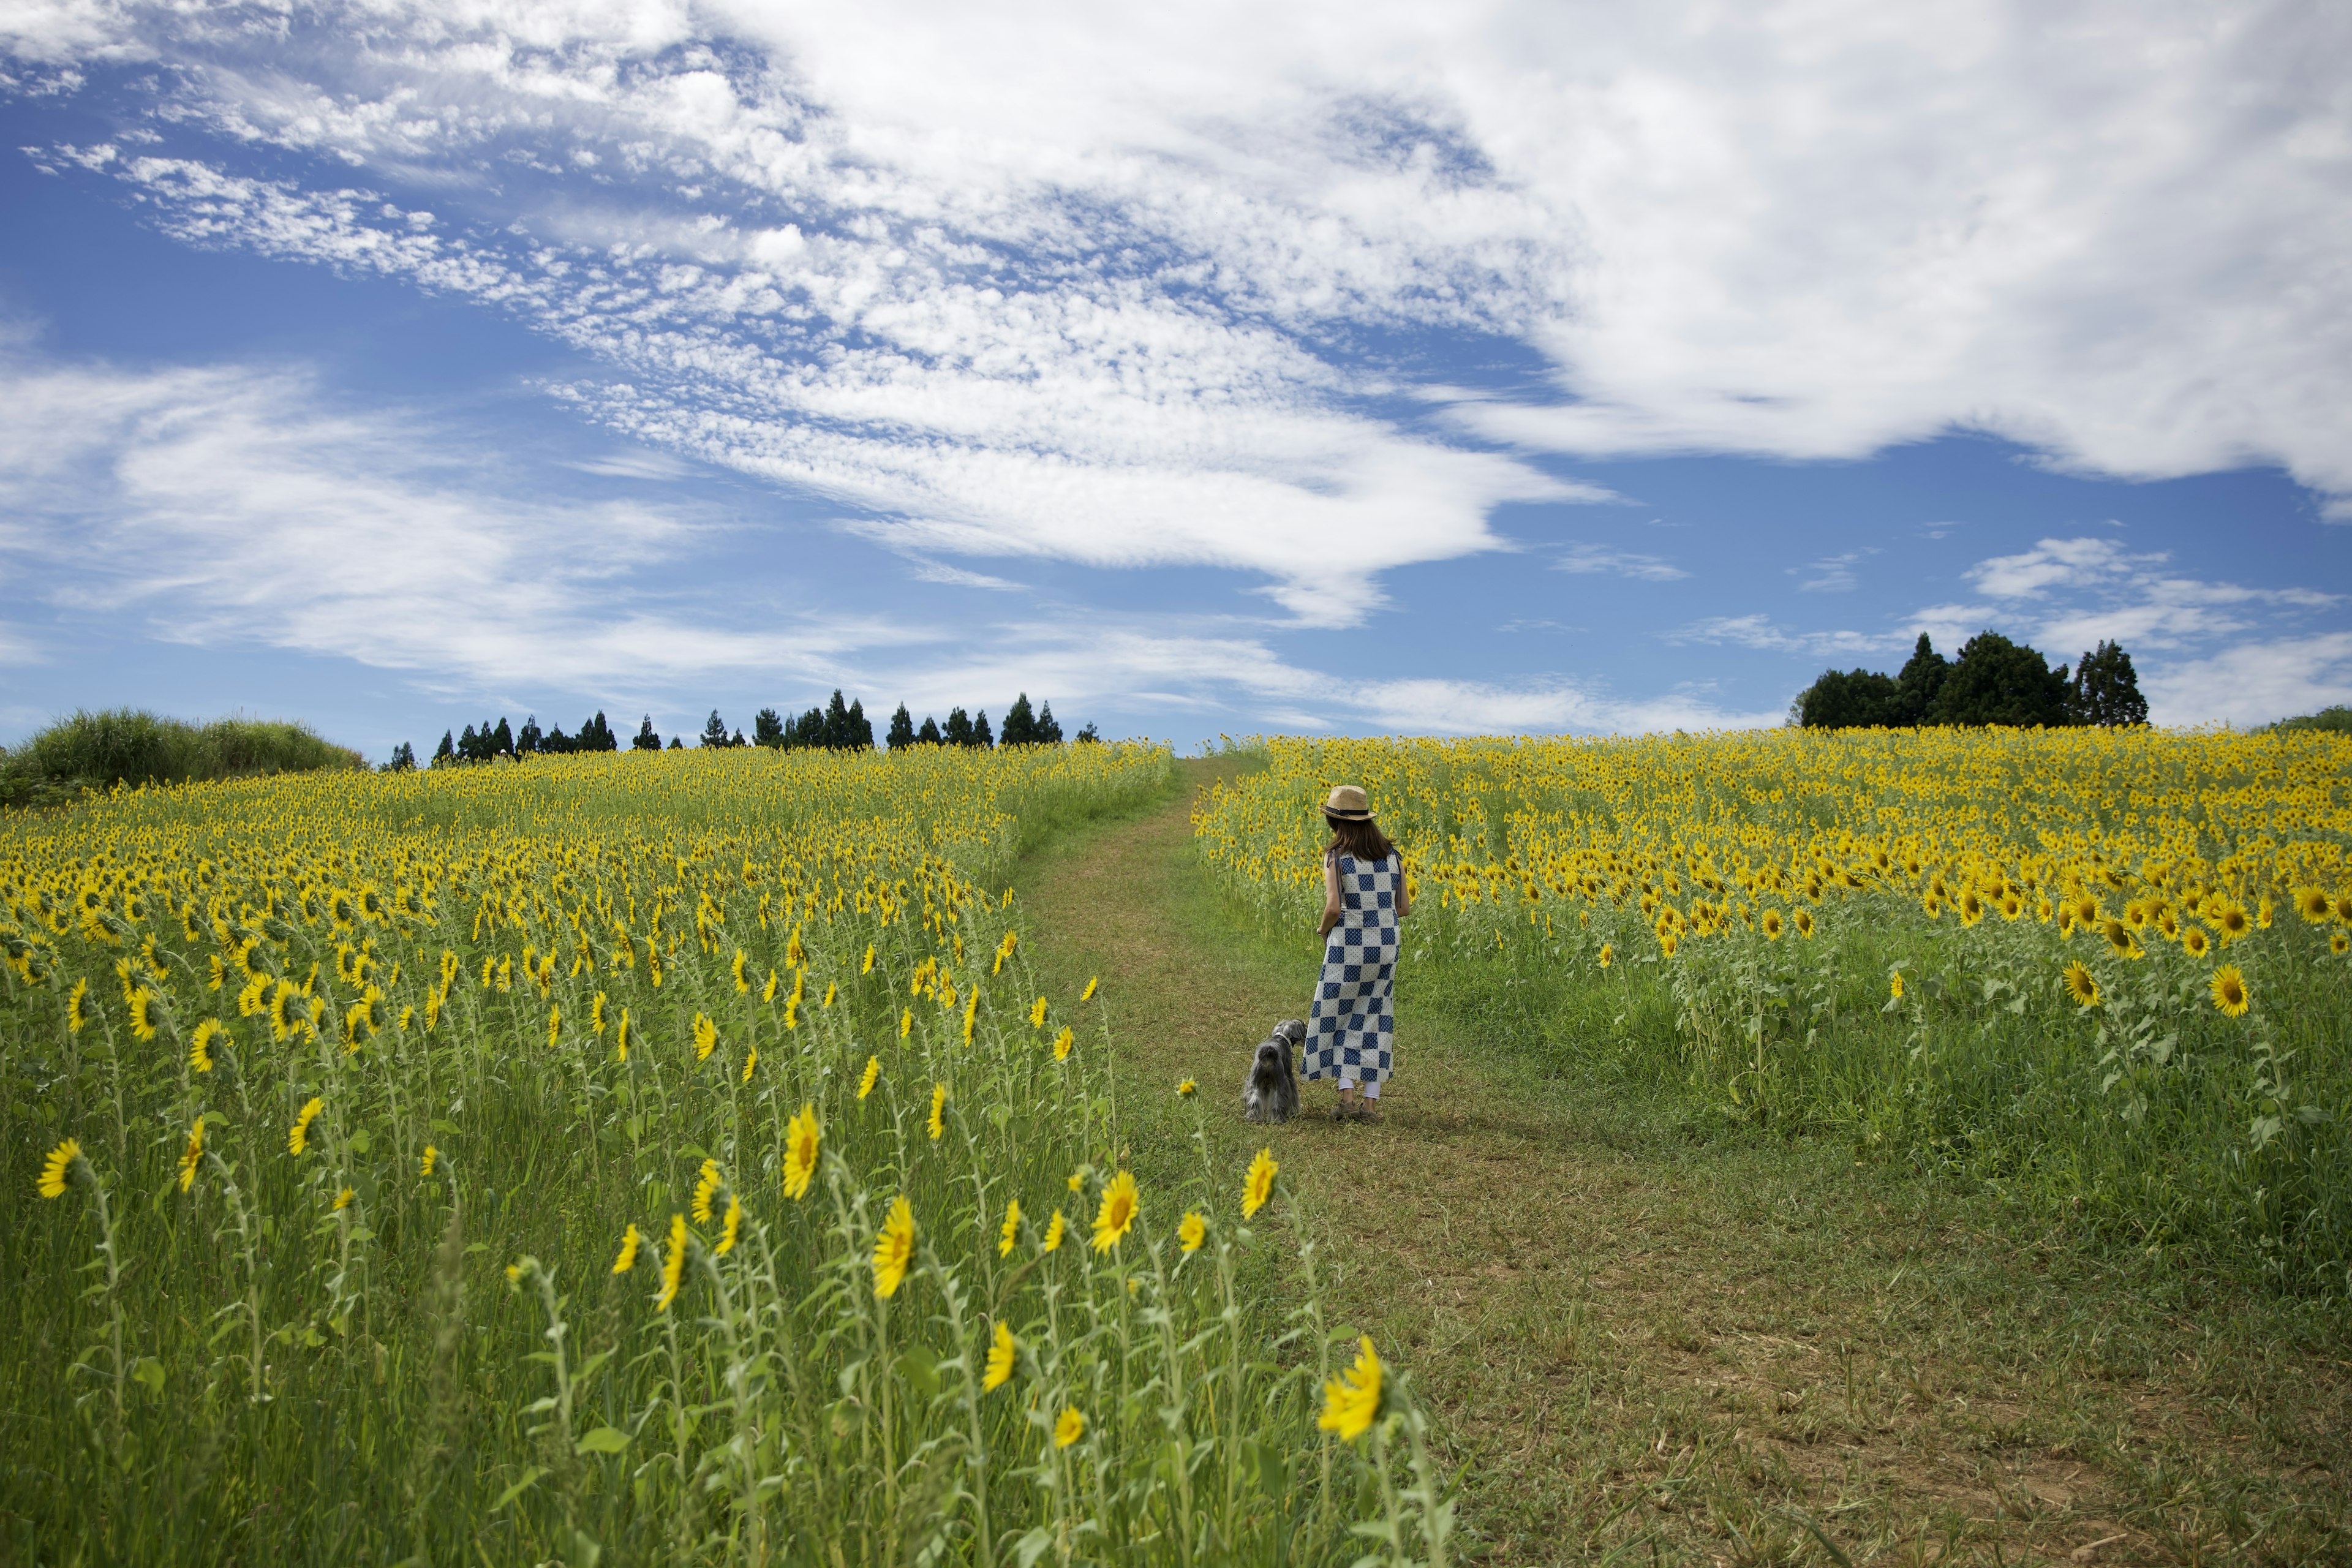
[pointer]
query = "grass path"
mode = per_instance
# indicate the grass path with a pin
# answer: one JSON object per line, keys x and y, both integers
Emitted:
{"x": 1647, "y": 1337}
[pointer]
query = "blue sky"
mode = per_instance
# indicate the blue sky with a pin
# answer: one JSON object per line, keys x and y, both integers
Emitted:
{"x": 1197, "y": 368}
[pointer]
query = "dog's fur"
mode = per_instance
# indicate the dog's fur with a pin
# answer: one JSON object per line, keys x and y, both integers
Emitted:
{"x": 1271, "y": 1092}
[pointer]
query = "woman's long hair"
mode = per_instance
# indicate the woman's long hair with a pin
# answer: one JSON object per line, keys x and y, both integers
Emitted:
{"x": 1364, "y": 840}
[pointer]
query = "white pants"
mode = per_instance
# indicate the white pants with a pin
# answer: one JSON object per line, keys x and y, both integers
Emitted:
{"x": 1371, "y": 1091}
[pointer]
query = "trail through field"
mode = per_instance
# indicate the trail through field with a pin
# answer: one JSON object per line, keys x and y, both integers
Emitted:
{"x": 1642, "y": 1333}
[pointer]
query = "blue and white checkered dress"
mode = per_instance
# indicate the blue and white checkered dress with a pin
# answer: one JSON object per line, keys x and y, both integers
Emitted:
{"x": 1352, "y": 1032}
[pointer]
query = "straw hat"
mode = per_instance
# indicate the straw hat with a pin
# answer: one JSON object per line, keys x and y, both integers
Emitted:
{"x": 1347, "y": 804}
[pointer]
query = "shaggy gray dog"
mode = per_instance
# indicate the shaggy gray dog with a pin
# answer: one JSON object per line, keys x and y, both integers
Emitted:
{"x": 1271, "y": 1092}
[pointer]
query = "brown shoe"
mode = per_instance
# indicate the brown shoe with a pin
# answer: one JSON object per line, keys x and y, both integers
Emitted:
{"x": 1369, "y": 1111}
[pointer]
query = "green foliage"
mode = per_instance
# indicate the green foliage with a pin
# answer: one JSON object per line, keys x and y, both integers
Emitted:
{"x": 2151, "y": 1116}
{"x": 133, "y": 746}
{"x": 415, "y": 1317}
{"x": 1997, "y": 682}
{"x": 902, "y": 729}
{"x": 2106, "y": 688}
{"x": 1994, "y": 681}
{"x": 2336, "y": 721}
{"x": 1851, "y": 700}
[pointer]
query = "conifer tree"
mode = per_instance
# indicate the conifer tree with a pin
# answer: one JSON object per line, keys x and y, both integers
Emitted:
{"x": 527, "y": 739}
{"x": 675, "y": 744}
{"x": 646, "y": 740}
{"x": 861, "y": 728}
{"x": 467, "y": 745}
{"x": 767, "y": 728}
{"x": 980, "y": 731}
{"x": 502, "y": 743}
{"x": 929, "y": 735}
{"x": 556, "y": 743}
{"x": 837, "y": 723}
{"x": 1048, "y": 732}
{"x": 1922, "y": 681}
{"x": 2107, "y": 689}
{"x": 958, "y": 729}
{"x": 714, "y": 731}
{"x": 902, "y": 729}
{"x": 447, "y": 752}
{"x": 404, "y": 759}
{"x": 1089, "y": 736}
{"x": 1020, "y": 723}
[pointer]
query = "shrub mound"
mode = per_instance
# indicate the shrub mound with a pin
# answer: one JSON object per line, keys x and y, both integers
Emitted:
{"x": 133, "y": 746}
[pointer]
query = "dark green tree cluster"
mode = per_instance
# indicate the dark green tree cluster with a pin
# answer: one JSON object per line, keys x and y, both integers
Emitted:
{"x": 837, "y": 726}
{"x": 1993, "y": 681}
{"x": 1023, "y": 726}
{"x": 487, "y": 743}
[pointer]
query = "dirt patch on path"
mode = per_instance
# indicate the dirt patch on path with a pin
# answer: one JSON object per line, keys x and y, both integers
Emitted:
{"x": 1643, "y": 1335}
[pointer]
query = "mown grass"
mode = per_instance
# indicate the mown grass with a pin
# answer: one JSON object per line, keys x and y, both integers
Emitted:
{"x": 132, "y": 746}
{"x": 1652, "y": 1332}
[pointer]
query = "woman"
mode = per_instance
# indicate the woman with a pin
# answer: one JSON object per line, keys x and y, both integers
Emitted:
{"x": 1351, "y": 1034}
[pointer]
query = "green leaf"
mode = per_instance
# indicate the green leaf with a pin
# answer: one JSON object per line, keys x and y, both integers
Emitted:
{"x": 921, "y": 1370}
{"x": 360, "y": 1141}
{"x": 603, "y": 1440}
{"x": 529, "y": 1478}
{"x": 445, "y": 1127}
{"x": 1032, "y": 1547}
{"x": 150, "y": 1372}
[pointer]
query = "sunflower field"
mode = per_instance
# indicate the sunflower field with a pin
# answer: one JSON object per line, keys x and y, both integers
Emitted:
{"x": 664, "y": 1158}
{"x": 2104, "y": 972}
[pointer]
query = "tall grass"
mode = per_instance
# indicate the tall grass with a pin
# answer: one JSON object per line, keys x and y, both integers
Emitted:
{"x": 373, "y": 1076}
{"x": 133, "y": 746}
{"x": 1919, "y": 1007}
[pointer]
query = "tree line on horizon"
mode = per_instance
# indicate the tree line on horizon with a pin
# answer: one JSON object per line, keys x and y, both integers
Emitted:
{"x": 837, "y": 726}
{"x": 1993, "y": 681}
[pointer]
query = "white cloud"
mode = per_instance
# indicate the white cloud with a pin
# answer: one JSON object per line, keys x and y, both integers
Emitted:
{"x": 2252, "y": 683}
{"x": 1832, "y": 574}
{"x": 228, "y": 505}
{"x": 2123, "y": 597}
{"x": 1598, "y": 558}
{"x": 1027, "y": 282}
{"x": 1760, "y": 631}
{"x": 233, "y": 506}
{"x": 1481, "y": 707}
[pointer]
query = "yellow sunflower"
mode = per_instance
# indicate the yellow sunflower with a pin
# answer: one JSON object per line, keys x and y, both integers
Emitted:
{"x": 1352, "y": 1401}
{"x": 1120, "y": 1202}
{"x": 803, "y": 1139}
{"x": 1000, "y": 1361}
{"x": 894, "y": 1249}
{"x": 2080, "y": 985}
{"x": 2229, "y": 993}
{"x": 1258, "y": 1184}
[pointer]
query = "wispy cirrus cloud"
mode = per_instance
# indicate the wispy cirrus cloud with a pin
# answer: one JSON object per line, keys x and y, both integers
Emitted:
{"x": 229, "y": 505}
{"x": 1761, "y": 632}
{"x": 1591, "y": 559}
{"x": 1025, "y": 284}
